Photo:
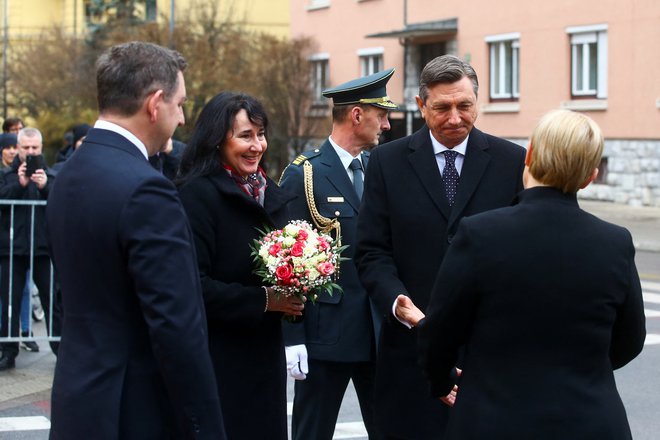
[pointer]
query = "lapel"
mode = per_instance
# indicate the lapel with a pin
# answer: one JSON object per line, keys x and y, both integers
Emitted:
{"x": 425, "y": 166}
{"x": 331, "y": 168}
{"x": 474, "y": 165}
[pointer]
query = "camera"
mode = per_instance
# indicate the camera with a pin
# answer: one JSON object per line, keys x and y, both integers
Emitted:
{"x": 33, "y": 163}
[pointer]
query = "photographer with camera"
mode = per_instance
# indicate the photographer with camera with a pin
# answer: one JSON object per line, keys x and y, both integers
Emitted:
{"x": 28, "y": 178}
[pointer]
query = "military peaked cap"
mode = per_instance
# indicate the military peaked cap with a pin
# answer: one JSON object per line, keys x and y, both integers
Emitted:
{"x": 367, "y": 90}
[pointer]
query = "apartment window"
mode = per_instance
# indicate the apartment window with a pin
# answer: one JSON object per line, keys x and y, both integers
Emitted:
{"x": 151, "y": 10}
{"x": 319, "y": 77}
{"x": 371, "y": 60}
{"x": 504, "y": 66}
{"x": 588, "y": 61}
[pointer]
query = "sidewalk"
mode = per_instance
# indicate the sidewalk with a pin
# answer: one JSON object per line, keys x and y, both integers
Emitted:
{"x": 643, "y": 222}
{"x": 34, "y": 371}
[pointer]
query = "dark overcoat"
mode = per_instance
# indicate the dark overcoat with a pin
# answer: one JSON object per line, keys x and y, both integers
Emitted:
{"x": 547, "y": 301}
{"x": 133, "y": 362}
{"x": 246, "y": 343}
{"x": 338, "y": 327}
{"x": 404, "y": 229}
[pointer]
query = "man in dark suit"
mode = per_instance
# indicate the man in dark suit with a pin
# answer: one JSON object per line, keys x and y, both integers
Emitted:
{"x": 134, "y": 360}
{"x": 416, "y": 191}
{"x": 546, "y": 300}
{"x": 337, "y": 333}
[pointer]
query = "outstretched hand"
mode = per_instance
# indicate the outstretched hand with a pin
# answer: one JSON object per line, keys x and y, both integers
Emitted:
{"x": 407, "y": 311}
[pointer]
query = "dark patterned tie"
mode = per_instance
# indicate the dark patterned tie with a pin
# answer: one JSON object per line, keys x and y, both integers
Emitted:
{"x": 450, "y": 176}
{"x": 358, "y": 177}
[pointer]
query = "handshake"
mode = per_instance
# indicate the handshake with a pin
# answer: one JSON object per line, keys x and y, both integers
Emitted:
{"x": 296, "y": 361}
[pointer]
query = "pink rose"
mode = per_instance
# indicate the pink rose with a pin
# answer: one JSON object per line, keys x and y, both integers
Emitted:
{"x": 297, "y": 249}
{"x": 323, "y": 244}
{"x": 275, "y": 249}
{"x": 283, "y": 273}
{"x": 302, "y": 235}
{"x": 326, "y": 268}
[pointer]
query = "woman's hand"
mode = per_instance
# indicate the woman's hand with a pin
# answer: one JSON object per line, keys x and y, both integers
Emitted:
{"x": 450, "y": 399}
{"x": 287, "y": 304}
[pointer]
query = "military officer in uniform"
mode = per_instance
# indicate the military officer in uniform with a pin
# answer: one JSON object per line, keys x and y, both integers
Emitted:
{"x": 336, "y": 340}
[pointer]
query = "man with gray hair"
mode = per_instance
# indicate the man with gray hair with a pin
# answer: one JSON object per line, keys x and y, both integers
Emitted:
{"x": 26, "y": 178}
{"x": 134, "y": 360}
{"x": 416, "y": 191}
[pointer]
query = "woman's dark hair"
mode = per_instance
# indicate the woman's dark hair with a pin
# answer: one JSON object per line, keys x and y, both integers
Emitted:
{"x": 212, "y": 129}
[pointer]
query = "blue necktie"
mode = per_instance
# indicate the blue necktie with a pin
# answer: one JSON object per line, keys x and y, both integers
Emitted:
{"x": 358, "y": 176}
{"x": 450, "y": 176}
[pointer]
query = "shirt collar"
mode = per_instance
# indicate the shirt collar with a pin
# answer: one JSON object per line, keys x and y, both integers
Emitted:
{"x": 439, "y": 148}
{"x": 344, "y": 155}
{"x": 111, "y": 126}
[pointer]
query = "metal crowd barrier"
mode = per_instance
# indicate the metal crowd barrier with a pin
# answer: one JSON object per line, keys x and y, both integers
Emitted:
{"x": 51, "y": 295}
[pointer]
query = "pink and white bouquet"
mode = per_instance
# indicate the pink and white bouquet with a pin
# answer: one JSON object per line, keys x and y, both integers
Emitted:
{"x": 297, "y": 260}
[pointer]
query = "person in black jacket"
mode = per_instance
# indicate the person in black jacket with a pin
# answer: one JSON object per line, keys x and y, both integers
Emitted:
{"x": 17, "y": 182}
{"x": 546, "y": 301}
{"x": 228, "y": 198}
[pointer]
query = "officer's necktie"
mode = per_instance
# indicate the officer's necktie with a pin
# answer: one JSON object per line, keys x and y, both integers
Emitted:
{"x": 450, "y": 176}
{"x": 358, "y": 177}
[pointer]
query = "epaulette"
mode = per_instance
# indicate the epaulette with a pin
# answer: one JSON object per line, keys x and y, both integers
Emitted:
{"x": 306, "y": 156}
{"x": 299, "y": 160}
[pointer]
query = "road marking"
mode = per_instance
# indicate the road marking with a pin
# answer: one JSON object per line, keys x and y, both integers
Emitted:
{"x": 343, "y": 430}
{"x": 35, "y": 423}
{"x": 652, "y": 339}
{"x": 350, "y": 430}
{"x": 648, "y": 285}
{"x": 651, "y": 297}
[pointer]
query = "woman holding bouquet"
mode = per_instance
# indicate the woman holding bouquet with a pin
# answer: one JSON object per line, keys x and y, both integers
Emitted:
{"x": 227, "y": 197}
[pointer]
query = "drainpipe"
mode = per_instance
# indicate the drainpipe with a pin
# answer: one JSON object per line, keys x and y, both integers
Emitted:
{"x": 4, "y": 60}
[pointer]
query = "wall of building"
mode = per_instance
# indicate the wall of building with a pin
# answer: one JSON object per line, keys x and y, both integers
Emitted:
{"x": 629, "y": 115}
{"x": 270, "y": 16}
{"x": 29, "y": 18}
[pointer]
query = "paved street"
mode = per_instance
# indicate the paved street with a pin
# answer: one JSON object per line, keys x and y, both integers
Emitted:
{"x": 25, "y": 391}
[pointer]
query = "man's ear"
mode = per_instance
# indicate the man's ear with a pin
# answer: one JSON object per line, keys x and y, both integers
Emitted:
{"x": 420, "y": 105}
{"x": 356, "y": 114}
{"x": 591, "y": 178}
{"x": 153, "y": 102}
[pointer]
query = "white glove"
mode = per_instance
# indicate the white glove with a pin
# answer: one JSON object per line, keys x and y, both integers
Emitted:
{"x": 296, "y": 361}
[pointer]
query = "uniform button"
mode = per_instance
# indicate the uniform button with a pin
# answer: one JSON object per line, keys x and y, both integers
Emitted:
{"x": 317, "y": 150}
{"x": 337, "y": 213}
{"x": 194, "y": 421}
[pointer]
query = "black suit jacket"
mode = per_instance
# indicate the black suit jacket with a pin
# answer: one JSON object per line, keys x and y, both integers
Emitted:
{"x": 246, "y": 343}
{"x": 339, "y": 327}
{"x": 547, "y": 300}
{"x": 404, "y": 229}
{"x": 134, "y": 360}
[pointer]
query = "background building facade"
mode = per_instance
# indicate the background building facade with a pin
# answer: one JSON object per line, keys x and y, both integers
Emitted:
{"x": 600, "y": 57}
